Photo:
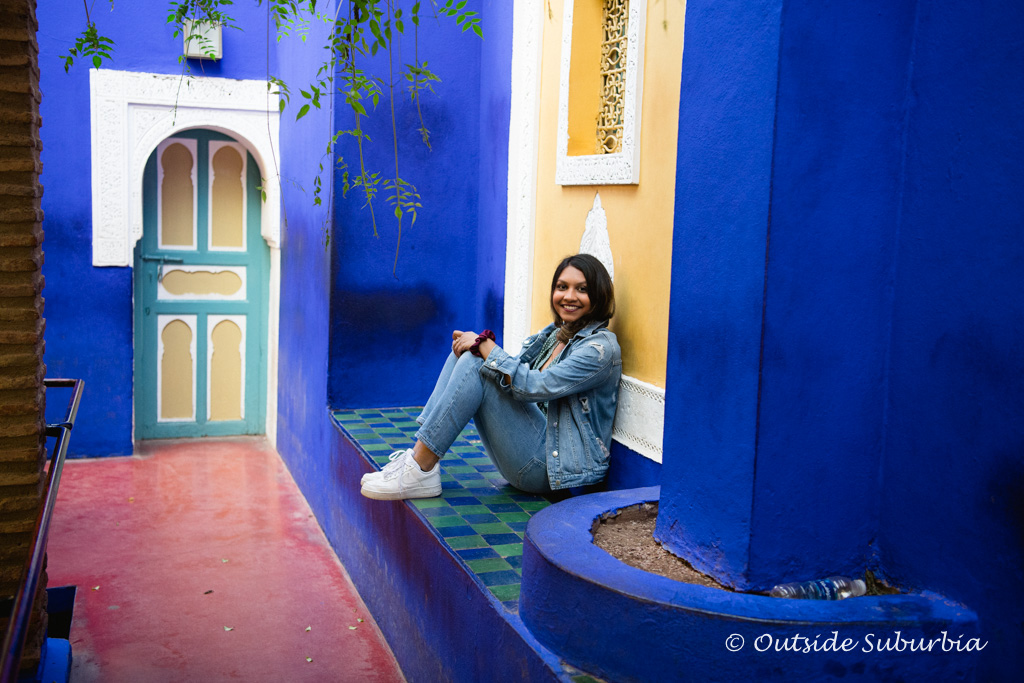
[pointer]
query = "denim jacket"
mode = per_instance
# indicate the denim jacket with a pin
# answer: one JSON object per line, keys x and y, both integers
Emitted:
{"x": 581, "y": 389}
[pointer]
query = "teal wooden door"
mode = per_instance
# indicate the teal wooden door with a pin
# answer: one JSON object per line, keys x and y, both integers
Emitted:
{"x": 201, "y": 271}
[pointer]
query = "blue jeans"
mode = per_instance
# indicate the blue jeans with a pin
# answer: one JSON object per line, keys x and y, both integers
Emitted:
{"x": 512, "y": 431}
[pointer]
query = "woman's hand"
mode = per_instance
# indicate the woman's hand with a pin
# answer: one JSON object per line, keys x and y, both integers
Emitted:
{"x": 462, "y": 341}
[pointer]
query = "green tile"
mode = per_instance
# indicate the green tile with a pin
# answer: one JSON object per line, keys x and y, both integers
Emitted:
{"x": 496, "y": 498}
{"x": 459, "y": 469}
{"x": 465, "y": 449}
{"x": 533, "y": 507}
{"x": 449, "y": 520}
{"x": 509, "y": 549}
{"x": 513, "y": 516}
{"x": 456, "y": 493}
{"x": 376, "y": 447}
{"x": 492, "y": 528}
{"x": 405, "y": 424}
{"x": 493, "y": 475}
{"x": 347, "y": 417}
{"x": 430, "y": 503}
{"x": 476, "y": 462}
{"x": 447, "y": 477}
{"x": 490, "y": 564}
{"x": 504, "y": 593}
{"x": 471, "y": 510}
{"x": 465, "y": 542}
{"x": 389, "y": 430}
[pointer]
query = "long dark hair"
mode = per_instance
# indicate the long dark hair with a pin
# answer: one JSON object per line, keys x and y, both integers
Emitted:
{"x": 599, "y": 288}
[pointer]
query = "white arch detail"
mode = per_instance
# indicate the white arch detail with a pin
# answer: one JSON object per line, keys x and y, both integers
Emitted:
{"x": 133, "y": 112}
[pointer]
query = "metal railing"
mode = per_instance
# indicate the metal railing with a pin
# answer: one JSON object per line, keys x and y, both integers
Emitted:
{"x": 21, "y": 613}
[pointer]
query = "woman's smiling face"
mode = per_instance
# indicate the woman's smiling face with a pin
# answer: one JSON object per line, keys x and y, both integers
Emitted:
{"x": 570, "y": 298}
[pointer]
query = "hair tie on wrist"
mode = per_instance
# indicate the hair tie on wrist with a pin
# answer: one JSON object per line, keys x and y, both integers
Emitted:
{"x": 475, "y": 348}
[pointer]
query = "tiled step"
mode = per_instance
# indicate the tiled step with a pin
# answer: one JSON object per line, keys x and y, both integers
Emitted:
{"x": 479, "y": 521}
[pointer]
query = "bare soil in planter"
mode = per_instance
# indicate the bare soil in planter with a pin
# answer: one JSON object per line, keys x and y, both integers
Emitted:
{"x": 629, "y": 537}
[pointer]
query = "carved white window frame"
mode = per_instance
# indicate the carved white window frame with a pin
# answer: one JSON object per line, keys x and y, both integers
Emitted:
{"x": 623, "y": 167}
{"x": 131, "y": 113}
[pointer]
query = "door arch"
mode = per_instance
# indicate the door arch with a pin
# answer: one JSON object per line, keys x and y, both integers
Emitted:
{"x": 200, "y": 291}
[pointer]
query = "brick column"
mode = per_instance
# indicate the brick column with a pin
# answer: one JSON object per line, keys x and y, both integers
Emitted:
{"x": 22, "y": 398}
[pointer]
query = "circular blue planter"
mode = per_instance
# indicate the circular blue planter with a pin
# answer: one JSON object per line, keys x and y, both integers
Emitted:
{"x": 626, "y": 624}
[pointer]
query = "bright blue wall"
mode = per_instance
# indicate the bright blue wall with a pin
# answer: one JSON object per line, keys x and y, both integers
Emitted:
{"x": 834, "y": 201}
{"x": 953, "y": 469}
{"x": 303, "y": 422}
{"x": 866, "y": 414}
{"x": 495, "y": 105}
{"x": 723, "y": 181}
{"x": 390, "y": 333}
{"x": 89, "y": 310}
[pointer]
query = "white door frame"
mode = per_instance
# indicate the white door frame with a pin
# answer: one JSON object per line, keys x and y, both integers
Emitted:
{"x": 131, "y": 113}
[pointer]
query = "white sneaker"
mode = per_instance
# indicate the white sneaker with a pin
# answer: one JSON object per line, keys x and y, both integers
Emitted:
{"x": 397, "y": 460}
{"x": 406, "y": 481}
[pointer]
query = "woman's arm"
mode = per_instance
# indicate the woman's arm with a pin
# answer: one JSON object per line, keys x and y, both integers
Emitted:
{"x": 463, "y": 341}
{"x": 587, "y": 366}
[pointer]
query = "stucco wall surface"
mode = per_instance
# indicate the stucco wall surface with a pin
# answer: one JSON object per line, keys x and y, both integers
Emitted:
{"x": 723, "y": 180}
{"x": 953, "y": 465}
{"x": 391, "y": 329}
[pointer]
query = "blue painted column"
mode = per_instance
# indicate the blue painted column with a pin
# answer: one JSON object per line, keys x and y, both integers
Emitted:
{"x": 787, "y": 211}
{"x": 723, "y": 184}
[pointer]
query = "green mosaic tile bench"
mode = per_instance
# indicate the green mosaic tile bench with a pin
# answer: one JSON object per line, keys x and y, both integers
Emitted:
{"x": 478, "y": 515}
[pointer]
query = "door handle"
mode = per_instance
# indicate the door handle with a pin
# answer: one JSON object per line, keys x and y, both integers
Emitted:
{"x": 161, "y": 260}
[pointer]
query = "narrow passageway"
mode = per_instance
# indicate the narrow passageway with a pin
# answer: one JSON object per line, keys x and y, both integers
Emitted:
{"x": 199, "y": 560}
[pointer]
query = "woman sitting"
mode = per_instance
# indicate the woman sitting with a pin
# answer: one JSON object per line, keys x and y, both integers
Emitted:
{"x": 544, "y": 416}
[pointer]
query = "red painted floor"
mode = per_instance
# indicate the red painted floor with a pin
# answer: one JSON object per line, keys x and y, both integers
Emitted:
{"x": 199, "y": 560}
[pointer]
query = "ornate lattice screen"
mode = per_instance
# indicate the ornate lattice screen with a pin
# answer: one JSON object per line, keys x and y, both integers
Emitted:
{"x": 613, "y": 76}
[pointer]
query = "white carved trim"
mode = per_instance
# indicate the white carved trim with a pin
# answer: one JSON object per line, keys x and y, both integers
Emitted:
{"x": 621, "y": 168}
{"x": 640, "y": 417}
{"x": 595, "y": 239}
{"x": 524, "y": 125}
{"x": 131, "y": 113}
